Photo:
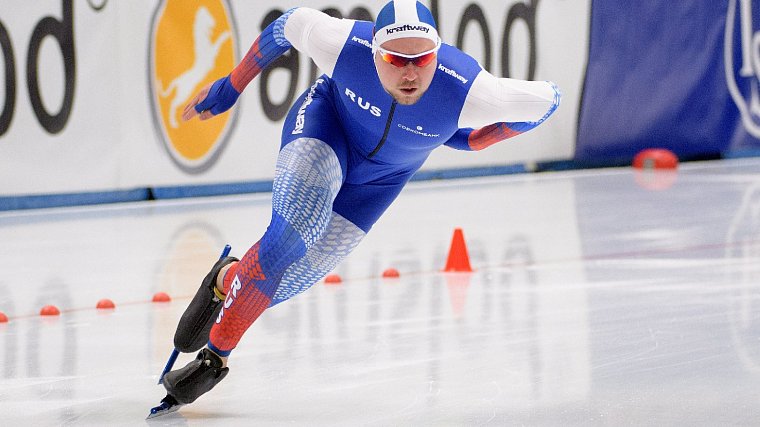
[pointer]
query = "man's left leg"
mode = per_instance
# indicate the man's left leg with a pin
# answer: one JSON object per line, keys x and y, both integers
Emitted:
{"x": 307, "y": 180}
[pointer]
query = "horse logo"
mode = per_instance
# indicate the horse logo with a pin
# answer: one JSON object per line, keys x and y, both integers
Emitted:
{"x": 192, "y": 44}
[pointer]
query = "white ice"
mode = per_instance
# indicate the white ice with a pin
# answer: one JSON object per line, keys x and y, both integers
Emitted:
{"x": 596, "y": 300}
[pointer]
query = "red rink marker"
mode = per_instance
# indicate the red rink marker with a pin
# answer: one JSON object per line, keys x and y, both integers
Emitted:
{"x": 655, "y": 169}
{"x": 3, "y": 317}
{"x": 161, "y": 297}
{"x": 655, "y": 158}
{"x": 391, "y": 273}
{"x": 105, "y": 304}
{"x": 50, "y": 310}
{"x": 333, "y": 279}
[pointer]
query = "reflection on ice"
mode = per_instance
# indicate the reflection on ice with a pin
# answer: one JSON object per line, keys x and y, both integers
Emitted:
{"x": 594, "y": 301}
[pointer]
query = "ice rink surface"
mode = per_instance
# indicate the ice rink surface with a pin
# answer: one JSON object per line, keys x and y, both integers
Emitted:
{"x": 600, "y": 297}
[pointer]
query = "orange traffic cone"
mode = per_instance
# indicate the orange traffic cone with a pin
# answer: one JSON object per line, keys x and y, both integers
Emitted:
{"x": 458, "y": 259}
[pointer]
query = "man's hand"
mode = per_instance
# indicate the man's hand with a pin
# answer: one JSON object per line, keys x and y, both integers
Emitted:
{"x": 212, "y": 99}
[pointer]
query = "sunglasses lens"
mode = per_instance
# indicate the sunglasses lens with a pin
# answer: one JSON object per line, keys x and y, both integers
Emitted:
{"x": 395, "y": 60}
{"x": 423, "y": 60}
{"x": 400, "y": 61}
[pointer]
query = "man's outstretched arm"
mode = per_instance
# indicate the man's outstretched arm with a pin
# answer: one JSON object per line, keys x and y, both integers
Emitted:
{"x": 499, "y": 108}
{"x": 310, "y": 31}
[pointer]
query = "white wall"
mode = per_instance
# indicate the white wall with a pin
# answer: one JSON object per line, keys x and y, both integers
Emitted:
{"x": 113, "y": 140}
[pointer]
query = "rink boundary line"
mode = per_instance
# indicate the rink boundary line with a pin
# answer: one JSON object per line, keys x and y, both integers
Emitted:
{"x": 73, "y": 199}
{"x": 484, "y": 268}
{"x": 528, "y": 169}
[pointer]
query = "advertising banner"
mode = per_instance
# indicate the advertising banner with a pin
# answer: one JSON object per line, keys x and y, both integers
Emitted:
{"x": 92, "y": 91}
{"x": 675, "y": 75}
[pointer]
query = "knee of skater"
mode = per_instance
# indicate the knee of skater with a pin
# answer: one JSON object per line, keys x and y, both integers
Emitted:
{"x": 310, "y": 161}
{"x": 307, "y": 180}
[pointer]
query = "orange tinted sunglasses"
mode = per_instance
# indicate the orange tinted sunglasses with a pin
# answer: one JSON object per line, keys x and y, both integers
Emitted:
{"x": 400, "y": 59}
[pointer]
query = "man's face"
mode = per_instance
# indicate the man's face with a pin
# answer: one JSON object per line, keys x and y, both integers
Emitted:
{"x": 406, "y": 84}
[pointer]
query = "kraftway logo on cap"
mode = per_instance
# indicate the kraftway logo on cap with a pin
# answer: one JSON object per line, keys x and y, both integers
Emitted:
{"x": 191, "y": 44}
{"x": 743, "y": 67}
{"x": 407, "y": 27}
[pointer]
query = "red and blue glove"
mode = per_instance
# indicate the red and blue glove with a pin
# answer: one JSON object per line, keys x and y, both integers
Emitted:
{"x": 221, "y": 97}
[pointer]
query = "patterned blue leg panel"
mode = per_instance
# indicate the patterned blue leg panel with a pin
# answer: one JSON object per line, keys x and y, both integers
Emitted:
{"x": 307, "y": 180}
{"x": 340, "y": 238}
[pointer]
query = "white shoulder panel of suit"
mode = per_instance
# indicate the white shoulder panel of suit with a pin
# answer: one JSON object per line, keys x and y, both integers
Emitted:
{"x": 493, "y": 100}
{"x": 318, "y": 35}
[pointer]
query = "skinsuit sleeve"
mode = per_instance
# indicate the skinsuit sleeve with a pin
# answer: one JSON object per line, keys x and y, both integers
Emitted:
{"x": 500, "y": 108}
{"x": 310, "y": 31}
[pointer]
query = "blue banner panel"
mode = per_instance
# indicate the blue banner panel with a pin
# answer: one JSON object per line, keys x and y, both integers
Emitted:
{"x": 681, "y": 75}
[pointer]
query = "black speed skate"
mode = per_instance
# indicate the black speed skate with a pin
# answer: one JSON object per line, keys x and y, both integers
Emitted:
{"x": 201, "y": 375}
{"x": 198, "y": 318}
{"x": 185, "y": 385}
{"x": 196, "y": 378}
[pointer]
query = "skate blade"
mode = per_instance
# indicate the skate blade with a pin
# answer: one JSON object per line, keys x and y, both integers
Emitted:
{"x": 167, "y": 406}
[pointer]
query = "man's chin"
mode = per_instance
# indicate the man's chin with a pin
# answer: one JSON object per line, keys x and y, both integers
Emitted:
{"x": 405, "y": 99}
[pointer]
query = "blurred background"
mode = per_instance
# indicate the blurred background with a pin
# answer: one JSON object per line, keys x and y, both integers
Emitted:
{"x": 602, "y": 294}
{"x": 90, "y": 90}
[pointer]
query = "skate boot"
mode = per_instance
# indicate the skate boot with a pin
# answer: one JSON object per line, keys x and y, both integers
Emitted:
{"x": 197, "y": 377}
{"x": 198, "y": 318}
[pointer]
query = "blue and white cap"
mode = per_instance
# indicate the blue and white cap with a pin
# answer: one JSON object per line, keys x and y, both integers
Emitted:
{"x": 404, "y": 18}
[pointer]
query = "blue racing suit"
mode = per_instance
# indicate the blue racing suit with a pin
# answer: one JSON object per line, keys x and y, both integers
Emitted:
{"x": 348, "y": 148}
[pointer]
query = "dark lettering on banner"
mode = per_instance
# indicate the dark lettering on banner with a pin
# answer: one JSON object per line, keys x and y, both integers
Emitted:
{"x": 6, "y": 114}
{"x": 289, "y": 62}
{"x": 475, "y": 13}
{"x": 63, "y": 32}
{"x": 97, "y": 7}
{"x": 434, "y": 11}
{"x": 361, "y": 14}
{"x": 527, "y": 13}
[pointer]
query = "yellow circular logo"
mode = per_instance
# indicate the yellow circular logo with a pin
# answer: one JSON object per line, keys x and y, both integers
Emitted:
{"x": 191, "y": 44}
